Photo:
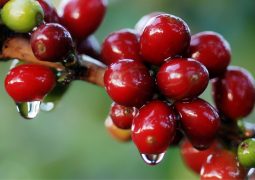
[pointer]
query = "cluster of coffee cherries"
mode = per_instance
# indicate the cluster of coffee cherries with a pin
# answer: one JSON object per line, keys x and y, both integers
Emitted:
{"x": 155, "y": 74}
{"x": 54, "y": 37}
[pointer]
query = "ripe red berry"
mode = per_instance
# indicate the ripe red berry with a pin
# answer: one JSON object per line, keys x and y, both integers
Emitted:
{"x": 129, "y": 83}
{"x": 234, "y": 93}
{"x": 194, "y": 158}
{"x": 89, "y": 46}
{"x": 164, "y": 36}
{"x": 200, "y": 122}
{"x": 2, "y": 3}
{"x": 50, "y": 13}
{"x": 153, "y": 128}
{"x": 122, "y": 116}
{"x": 82, "y": 17}
{"x": 51, "y": 42}
{"x": 182, "y": 78}
{"x": 122, "y": 44}
{"x": 29, "y": 82}
{"x": 222, "y": 164}
{"x": 141, "y": 24}
{"x": 212, "y": 50}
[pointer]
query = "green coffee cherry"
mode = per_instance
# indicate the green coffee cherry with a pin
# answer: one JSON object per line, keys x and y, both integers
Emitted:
{"x": 246, "y": 152}
{"x": 22, "y": 15}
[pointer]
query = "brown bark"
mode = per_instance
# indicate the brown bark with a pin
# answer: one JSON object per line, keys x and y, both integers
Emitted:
{"x": 18, "y": 47}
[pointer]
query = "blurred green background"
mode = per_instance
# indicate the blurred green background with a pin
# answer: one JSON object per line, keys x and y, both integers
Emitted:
{"x": 72, "y": 143}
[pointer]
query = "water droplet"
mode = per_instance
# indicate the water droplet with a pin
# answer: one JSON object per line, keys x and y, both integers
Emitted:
{"x": 47, "y": 106}
{"x": 153, "y": 159}
{"x": 28, "y": 110}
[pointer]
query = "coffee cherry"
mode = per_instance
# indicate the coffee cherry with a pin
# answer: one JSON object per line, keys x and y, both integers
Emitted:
{"x": 234, "y": 93}
{"x": 89, "y": 46}
{"x": 212, "y": 50}
{"x": 194, "y": 158}
{"x": 2, "y": 3}
{"x": 122, "y": 44}
{"x": 246, "y": 153}
{"x": 51, "y": 42}
{"x": 164, "y": 36}
{"x": 122, "y": 116}
{"x": 200, "y": 122}
{"x": 182, "y": 78}
{"x": 141, "y": 24}
{"x": 122, "y": 135}
{"x": 129, "y": 83}
{"x": 153, "y": 128}
{"x": 82, "y": 17}
{"x": 22, "y": 15}
{"x": 29, "y": 82}
{"x": 222, "y": 164}
{"x": 50, "y": 13}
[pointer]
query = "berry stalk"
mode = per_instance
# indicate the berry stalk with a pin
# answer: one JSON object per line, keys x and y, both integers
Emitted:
{"x": 18, "y": 47}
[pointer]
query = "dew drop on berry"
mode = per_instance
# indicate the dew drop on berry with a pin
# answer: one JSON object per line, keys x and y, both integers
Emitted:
{"x": 153, "y": 159}
{"x": 47, "y": 106}
{"x": 28, "y": 110}
{"x": 251, "y": 174}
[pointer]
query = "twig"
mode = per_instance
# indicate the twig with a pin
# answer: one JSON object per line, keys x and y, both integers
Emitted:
{"x": 18, "y": 47}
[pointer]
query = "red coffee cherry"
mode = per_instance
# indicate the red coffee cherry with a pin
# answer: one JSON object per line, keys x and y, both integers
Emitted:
{"x": 153, "y": 128}
{"x": 222, "y": 164}
{"x": 50, "y": 13}
{"x": 182, "y": 78}
{"x": 122, "y": 116}
{"x": 200, "y": 122}
{"x": 89, "y": 46}
{"x": 2, "y": 3}
{"x": 82, "y": 17}
{"x": 122, "y": 44}
{"x": 51, "y": 42}
{"x": 193, "y": 158}
{"x": 234, "y": 93}
{"x": 141, "y": 24}
{"x": 29, "y": 82}
{"x": 164, "y": 36}
{"x": 129, "y": 83}
{"x": 212, "y": 50}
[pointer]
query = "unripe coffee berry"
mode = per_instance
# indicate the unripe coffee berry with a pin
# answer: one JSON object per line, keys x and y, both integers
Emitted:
{"x": 22, "y": 15}
{"x": 246, "y": 153}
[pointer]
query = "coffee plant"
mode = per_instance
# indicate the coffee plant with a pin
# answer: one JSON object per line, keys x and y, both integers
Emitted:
{"x": 154, "y": 74}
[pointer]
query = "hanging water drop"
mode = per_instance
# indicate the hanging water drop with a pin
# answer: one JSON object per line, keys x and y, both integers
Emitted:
{"x": 28, "y": 110}
{"x": 152, "y": 159}
{"x": 47, "y": 106}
